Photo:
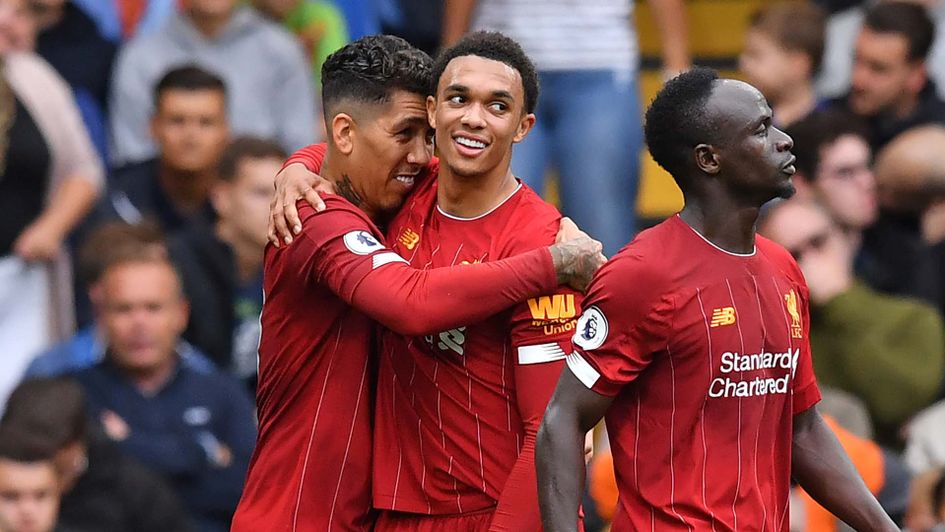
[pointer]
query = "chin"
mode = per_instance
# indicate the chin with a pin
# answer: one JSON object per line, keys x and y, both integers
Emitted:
{"x": 786, "y": 191}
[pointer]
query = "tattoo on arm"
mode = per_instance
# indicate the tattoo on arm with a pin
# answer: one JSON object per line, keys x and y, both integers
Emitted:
{"x": 345, "y": 189}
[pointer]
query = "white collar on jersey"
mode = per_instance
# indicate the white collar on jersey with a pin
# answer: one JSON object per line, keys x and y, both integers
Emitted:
{"x": 483, "y": 215}
{"x": 707, "y": 241}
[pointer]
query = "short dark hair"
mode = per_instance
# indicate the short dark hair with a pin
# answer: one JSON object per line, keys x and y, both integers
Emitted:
{"x": 817, "y": 131}
{"x": 370, "y": 69}
{"x": 247, "y": 148}
{"x": 25, "y": 447}
{"x": 796, "y": 26}
{"x": 677, "y": 122}
{"x": 52, "y": 409}
{"x": 117, "y": 242}
{"x": 188, "y": 78}
{"x": 907, "y": 19}
{"x": 498, "y": 47}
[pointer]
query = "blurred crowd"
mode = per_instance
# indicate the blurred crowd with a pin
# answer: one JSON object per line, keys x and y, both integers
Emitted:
{"x": 139, "y": 140}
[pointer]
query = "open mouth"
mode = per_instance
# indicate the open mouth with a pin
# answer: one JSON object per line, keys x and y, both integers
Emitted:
{"x": 406, "y": 179}
{"x": 788, "y": 167}
{"x": 468, "y": 145}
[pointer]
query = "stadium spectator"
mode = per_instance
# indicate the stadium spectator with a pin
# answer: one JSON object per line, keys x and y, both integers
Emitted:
{"x": 51, "y": 178}
{"x": 29, "y": 484}
{"x": 318, "y": 24}
{"x": 910, "y": 237}
{"x": 71, "y": 42}
{"x": 588, "y": 120}
{"x": 271, "y": 93}
{"x": 866, "y": 343}
{"x": 102, "y": 490}
{"x": 190, "y": 129}
{"x": 120, "y": 20}
{"x": 890, "y": 86}
{"x": 221, "y": 265}
{"x": 194, "y": 428}
{"x": 378, "y": 87}
{"x": 784, "y": 46}
{"x": 109, "y": 243}
{"x": 694, "y": 342}
{"x": 925, "y": 439}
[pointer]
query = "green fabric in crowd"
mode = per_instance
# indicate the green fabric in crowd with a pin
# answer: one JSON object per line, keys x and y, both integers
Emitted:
{"x": 321, "y": 27}
{"x": 889, "y": 351}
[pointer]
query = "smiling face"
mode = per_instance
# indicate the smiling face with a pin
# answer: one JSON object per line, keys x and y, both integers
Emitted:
{"x": 478, "y": 112}
{"x": 389, "y": 145}
{"x": 754, "y": 156}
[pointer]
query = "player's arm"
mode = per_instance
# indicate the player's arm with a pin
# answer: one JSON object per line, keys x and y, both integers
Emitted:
{"x": 417, "y": 302}
{"x": 574, "y": 409}
{"x": 824, "y": 470}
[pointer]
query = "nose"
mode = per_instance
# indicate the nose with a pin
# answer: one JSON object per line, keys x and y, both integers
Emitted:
{"x": 472, "y": 117}
{"x": 420, "y": 151}
{"x": 784, "y": 141}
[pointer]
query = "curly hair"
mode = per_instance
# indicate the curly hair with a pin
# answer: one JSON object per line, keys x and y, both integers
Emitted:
{"x": 368, "y": 70}
{"x": 677, "y": 121}
{"x": 498, "y": 47}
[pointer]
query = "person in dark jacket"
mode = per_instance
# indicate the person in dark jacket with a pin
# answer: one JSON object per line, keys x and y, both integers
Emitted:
{"x": 221, "y": 265}
{"x": 195, "y": 428}
{"x": 103, "y": 490}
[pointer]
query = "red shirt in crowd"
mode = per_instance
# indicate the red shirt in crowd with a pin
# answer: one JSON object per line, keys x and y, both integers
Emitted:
{"x": 708, "y": 356}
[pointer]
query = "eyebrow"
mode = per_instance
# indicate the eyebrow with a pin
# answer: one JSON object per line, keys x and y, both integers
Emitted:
{"x": 495, "y": 94}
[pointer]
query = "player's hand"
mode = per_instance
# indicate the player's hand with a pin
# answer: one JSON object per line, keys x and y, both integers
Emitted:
{"x": 294, "y": 182}
{"x": 577, "y": 260}
{"x": 39, "y": 241}
{"x": 568, "y": 230}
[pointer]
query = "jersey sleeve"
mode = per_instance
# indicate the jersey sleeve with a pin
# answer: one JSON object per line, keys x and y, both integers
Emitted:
{"x": 625, "y": 322}
{"x": 805, "y": 389}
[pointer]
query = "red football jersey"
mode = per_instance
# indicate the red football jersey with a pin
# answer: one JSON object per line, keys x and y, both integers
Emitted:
{"x": 316, "y": 382}
{"x": 454, "y": 408}
{"x": 708, "y": 355}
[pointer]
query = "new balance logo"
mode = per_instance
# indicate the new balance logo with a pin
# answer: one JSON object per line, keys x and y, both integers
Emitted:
{"x": 409, "y": 238}
{"x": 553, "y": 307}
{"x": 722, "y": 317}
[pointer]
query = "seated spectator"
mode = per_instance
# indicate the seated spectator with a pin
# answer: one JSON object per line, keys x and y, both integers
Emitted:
{"x": 51, "y": 177}
{"x": 910, "y": 237}
{"x": 221, "y": 265}
{"x": 925, "y": 439}
{"x": 318, "y": 24}
{"x": 111, "y": 242}
{"x": 890, "y": 86}
{"x": 71, "y": 42}
{"x": 196, "y": 429}
{"x": 29, "y": 484}
{"x": 102, "y": 489}
{"x": 784, "y": 46}
{"x": 190, "y": 128}
{"x": 271, "y": 93}
{"x": 887, "y": 351}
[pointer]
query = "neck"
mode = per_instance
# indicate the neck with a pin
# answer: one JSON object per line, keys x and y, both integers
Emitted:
{"x": 150, "y": 381}
{"x": 795, "y": 103}
{"x": 188, "y": 191}
{"x": 248, "y": 254}
{"x": 337, "y": 172}
{"x": 471, "y": 196}
{"x": 730, "y": 227}
{"x": 209, "y": 27}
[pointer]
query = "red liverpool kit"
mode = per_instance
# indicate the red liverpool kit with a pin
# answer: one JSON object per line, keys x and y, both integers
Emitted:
{"x": 707, "y": 353}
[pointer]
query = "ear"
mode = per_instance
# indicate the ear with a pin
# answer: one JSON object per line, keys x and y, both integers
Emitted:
{"x": 431, "y": 111}
{"x": 183, "y": 315}
{"x": 918, "y": 76}
{"x": 801, "y": 62}
{"x": 220, "y": 198}
{"x": 707, "y": 159}
{"x": 524, "y": 126}
{"x": 342, "y": 132}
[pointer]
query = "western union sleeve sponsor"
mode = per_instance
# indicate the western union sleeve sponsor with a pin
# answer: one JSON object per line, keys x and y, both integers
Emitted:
{"x": 554, "y": 307}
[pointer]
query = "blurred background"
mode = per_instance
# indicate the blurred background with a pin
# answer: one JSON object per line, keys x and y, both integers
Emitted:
{"x": 138, "y": 144}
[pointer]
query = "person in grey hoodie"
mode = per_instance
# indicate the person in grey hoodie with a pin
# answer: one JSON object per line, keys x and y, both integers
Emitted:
{"x": 271, "y": 93}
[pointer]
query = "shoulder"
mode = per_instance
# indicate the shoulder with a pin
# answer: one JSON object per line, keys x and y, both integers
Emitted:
{"x": 274, "y": 37}
{"x": 532, "y": 222}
